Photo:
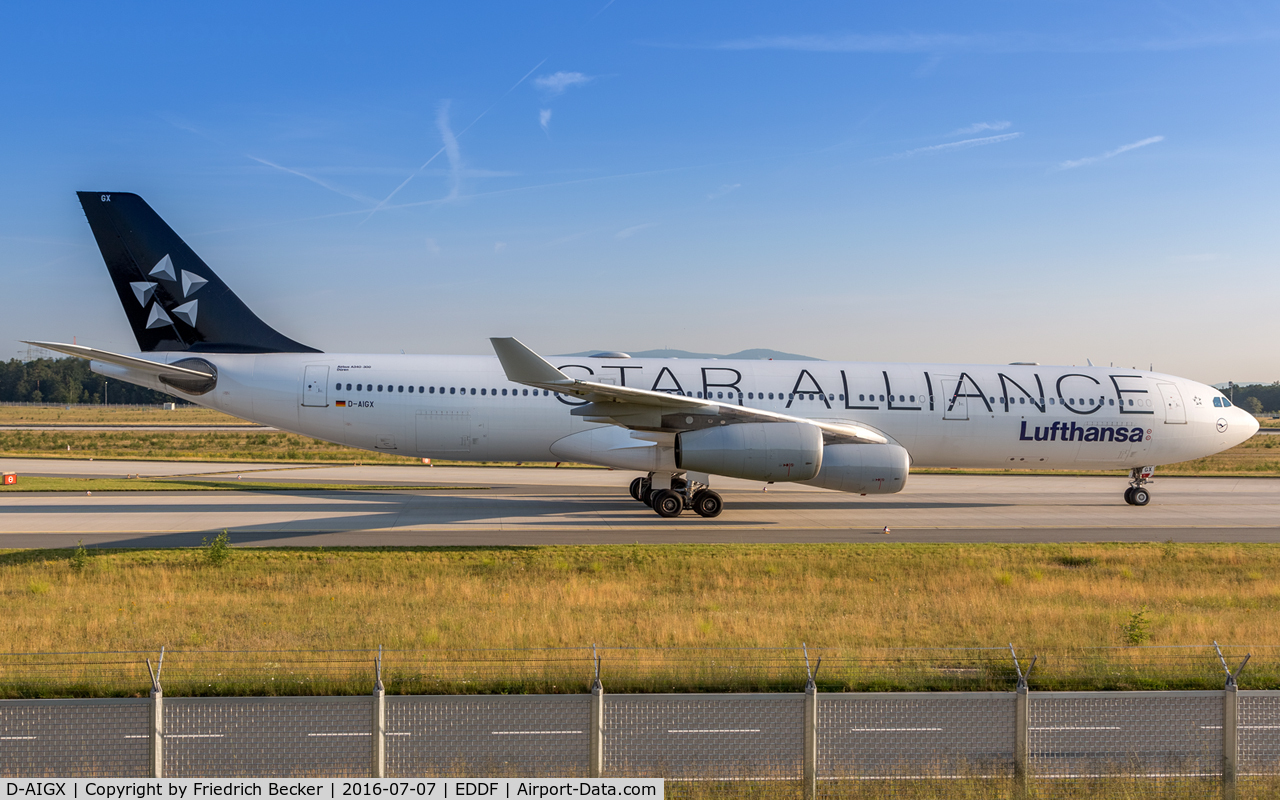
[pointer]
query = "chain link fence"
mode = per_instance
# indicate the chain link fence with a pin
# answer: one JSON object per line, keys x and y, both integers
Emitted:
{"x": 200, "y": 673}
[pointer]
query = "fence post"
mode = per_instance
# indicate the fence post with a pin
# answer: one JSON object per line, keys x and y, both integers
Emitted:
{"x": 155, "y": 734}
{"x": 810, "y": 729}
{"x": 1021, "y": 726}
{"x": 378, "y": 769}
{"x": 1230, "y": 740}
{"x": 595, "y": 756}
{"x": 1230, "y": 725}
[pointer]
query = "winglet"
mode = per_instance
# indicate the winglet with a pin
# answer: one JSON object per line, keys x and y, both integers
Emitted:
{"x": 522, "y": 365}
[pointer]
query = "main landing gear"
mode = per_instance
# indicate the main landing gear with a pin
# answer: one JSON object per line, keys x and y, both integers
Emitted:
{"x": 683, "y": 494}
{"x": 1136, "y": 494}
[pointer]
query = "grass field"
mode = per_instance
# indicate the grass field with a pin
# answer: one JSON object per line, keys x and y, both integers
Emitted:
{"x": 114, "y": 415}
{"x": 678, "y": 603}
{"x": 43, "y": 484}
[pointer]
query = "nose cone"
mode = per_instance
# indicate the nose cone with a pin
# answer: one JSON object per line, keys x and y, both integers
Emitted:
{"x": 1241, "y": 425}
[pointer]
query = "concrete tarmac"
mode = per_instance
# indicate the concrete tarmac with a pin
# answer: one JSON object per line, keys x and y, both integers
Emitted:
{"x": 476, "y": 506}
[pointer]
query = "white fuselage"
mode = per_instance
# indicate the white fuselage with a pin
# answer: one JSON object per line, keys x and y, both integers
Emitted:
{"x": 464, "y": 408}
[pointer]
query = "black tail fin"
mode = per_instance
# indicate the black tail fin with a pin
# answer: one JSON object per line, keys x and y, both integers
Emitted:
{"x": 172, "y": 298}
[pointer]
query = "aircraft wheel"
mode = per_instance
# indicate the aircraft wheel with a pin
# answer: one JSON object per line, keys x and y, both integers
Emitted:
{"x": 1140, "y": 496}
{"x": 707, "y": 503}
{"x": 667, "y": 503}
{"x": 1128, "y": 495}
{"x": 646, "y": 496}
{"x": 635, "y": 488}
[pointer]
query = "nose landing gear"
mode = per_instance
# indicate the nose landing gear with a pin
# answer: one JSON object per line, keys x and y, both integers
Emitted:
{"x": 683, "y": 494}
{"x": 1136, "y": 494}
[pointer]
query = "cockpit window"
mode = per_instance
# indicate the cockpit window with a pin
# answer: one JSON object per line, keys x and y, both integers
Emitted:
{"x": 1226, "y": 403}
{"x": 1217, "y": 402}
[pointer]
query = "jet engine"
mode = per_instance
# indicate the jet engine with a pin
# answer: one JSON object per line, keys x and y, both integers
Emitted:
{"x": 863, "y": 468}
{"x": 756, "y": 451}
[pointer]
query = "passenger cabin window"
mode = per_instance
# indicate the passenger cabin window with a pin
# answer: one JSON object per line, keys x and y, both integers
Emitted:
{"x": 452, "y": 390}
{"x": 399, "y": 388}
{"x": 359, "y": 387}
{"x": 379, "y": 387}
{"x": 348, "y": 387}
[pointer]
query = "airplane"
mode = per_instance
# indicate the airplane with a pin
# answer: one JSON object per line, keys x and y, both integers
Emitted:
{"x": 846, "y": 426}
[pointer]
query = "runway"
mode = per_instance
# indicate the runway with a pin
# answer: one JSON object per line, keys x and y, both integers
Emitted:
{"x": 536, "y": 506}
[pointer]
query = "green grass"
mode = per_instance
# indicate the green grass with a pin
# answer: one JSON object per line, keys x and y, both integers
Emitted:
{"x": 46, "y": 484}
{"x": 308, "y": 621}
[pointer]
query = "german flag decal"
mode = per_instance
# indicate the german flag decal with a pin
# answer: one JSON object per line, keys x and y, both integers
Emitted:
{"x": 342, "y": 404}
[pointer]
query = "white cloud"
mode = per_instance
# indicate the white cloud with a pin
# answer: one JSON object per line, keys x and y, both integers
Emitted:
{"x": 1124, "y": 148}
{"x": 544, "y": 119}
{"x": 723, "y": 190}
{"x": 627, "y": 233}
{"x": 556, "y": 83}
{"x": 979, "y": 127}
{"x": 450, "y": 148}
{"x": 961, "y": 145}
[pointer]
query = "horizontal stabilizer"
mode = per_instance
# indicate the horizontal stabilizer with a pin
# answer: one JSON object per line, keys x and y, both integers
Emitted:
{"x": 129, "y": 362}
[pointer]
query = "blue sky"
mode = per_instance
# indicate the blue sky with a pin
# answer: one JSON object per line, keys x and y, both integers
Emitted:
{"x": 979, "y": 182}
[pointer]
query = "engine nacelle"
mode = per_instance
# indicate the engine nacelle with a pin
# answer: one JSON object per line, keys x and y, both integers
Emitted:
{"x": 863, "y": 468}
{"x": 756, "y": 451}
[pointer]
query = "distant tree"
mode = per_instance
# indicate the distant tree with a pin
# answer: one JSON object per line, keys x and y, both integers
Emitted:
{"x": 68, "y": 380}
{"x": 1253, "y": 404}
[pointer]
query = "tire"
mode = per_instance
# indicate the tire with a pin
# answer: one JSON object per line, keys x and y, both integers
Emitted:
{"x": 1128, "y": 495}
{"x": 667, "y": 503}
{"x": 635, "y": 488}
{"x": 1140, "y": 496}
{"x": 707, "y": 503}
{"x": 646, "y": 497}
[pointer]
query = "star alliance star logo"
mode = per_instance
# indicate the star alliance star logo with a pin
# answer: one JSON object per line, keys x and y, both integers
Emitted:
{"x": 145, "y": 291}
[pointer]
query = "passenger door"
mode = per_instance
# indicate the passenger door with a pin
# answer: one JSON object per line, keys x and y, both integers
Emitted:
{"x": 951, "y": 387}
{"x": 1174, "y": 412}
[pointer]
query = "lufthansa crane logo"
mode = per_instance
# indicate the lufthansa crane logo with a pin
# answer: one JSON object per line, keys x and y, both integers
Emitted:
{"x": 1222, "y": 426}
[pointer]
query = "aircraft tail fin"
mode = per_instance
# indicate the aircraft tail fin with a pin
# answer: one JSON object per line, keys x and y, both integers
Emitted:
{"x": 174, "y": 302}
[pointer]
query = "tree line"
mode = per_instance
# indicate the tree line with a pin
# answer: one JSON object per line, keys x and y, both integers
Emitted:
{"x": 67, "y": 381}
{"x": 1259, "y": 398}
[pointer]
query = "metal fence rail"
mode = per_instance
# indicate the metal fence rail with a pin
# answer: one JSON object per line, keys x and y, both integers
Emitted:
{"x": 817, "y": 744}
{"x": 568, "y": 670}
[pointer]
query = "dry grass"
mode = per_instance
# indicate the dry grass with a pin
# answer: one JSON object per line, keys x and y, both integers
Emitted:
{"x": 114, "y": 415}
{"x": 1259, "y": 455}
{"x": 30, "y": 483}
{"x": 848, "y": 599}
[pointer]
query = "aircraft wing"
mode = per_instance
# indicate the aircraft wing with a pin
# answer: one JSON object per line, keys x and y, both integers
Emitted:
{"x": 130, "y": 362}
{"x": 644, "y": 410}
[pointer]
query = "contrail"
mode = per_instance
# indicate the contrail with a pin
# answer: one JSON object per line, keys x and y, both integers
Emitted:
{"x": 444, "y": 148}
